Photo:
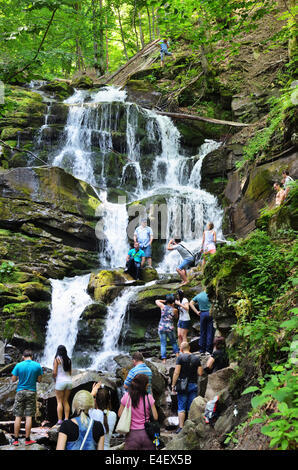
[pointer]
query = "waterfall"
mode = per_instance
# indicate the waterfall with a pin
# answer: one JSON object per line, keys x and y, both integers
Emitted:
{"x": 93, "y": 120}
{"x": 69, "y": 300}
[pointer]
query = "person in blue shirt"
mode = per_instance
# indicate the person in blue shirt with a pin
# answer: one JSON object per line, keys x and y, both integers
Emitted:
{"x": 139, "y": 367}
{"x": 206, "y": 322}
{"x": 144, "y": 235}
{"x": 164, "y": 45}
{"x": 135, "y": 261}
{"x": 27, "y": 373}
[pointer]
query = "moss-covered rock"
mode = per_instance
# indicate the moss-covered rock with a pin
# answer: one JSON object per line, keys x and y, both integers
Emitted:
{"x": 106, "y": 285}
{"x": 82, "y": 82}
{"x": 60, "y": 89}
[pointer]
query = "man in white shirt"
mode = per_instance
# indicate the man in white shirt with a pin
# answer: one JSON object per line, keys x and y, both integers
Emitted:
{"x": 144, "y": 236}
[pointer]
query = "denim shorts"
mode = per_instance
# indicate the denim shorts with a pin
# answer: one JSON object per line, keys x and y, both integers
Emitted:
{"x": 185, "y": 399}
{"x": 67, "y": 385}
{"x": 186, "y": 263}
{"x": 147, "y": 251}
{"x": 184, "y": 324}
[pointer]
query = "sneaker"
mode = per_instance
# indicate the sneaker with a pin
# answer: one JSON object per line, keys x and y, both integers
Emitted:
{"x": 29, "y": 443}
{"x": 178, "y": 430}
{"x": 15, "y": 443}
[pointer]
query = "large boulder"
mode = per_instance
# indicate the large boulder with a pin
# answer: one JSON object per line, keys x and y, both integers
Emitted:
{"x": 51, "y": 213}
{"x": 250, "y": 189}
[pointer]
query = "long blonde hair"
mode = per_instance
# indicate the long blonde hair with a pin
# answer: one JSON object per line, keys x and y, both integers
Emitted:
{"x": 81, "y": 404}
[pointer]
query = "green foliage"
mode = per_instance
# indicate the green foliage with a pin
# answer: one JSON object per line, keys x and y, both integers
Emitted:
{"x": 106, "y": 34}
{"x": 260, "y": 143}
{"x": 7, "y": 268}
{"x": 277, "y": 396}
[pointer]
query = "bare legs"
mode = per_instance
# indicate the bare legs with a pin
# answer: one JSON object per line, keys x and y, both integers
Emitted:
{"x": 62, "y": 403}
{"x": 17, "y": 426}
{"x": 182, "y": 274}
{"x": 182, "y": 335}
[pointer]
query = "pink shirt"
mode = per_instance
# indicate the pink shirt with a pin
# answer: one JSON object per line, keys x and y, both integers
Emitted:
{"x": 137, "y": 414}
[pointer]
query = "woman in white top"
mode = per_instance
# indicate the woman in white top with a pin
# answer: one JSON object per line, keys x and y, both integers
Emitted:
{"x": 209, "y": 240}
{"x": 102, "y": 411}
{"x": 184, "y": 318}
{"x": 63, "y": 382}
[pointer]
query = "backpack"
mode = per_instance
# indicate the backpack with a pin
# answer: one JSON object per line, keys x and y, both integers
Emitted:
{"x": 197, "y": 255}
{"x": 211, "y": 413}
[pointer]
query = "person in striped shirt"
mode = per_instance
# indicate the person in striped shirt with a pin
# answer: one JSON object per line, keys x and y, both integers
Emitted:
{"x": 139, "y": 367}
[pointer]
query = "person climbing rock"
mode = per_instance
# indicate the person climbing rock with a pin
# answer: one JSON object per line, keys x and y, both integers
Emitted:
{"x": 187, "y": 256}
{"x": 63, "y": 382}
{"x": 27, "y": 373}
{"x": 280, "y": 193}
{"x": 166, "y": 325}
{"x": 188, "y": 368}
{"x": 135, "y": 261}
{"x": 184, "y": 319}
{"x": 140, "y": 402}
{"x": 139, "y": 367}
{"x": 206, "y": 322}
{"x": 208, "y": 241}
{"x": 144, "y": 236}
{"x": 219, "y": 358}
{"x": 164, "y": 46}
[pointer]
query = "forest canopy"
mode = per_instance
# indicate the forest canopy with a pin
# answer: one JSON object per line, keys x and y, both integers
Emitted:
{"x": 55, "y": 38}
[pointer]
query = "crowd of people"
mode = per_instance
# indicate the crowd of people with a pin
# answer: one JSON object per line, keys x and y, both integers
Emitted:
{"x": 141, "y": 253}
{"x": 90, "y": 421}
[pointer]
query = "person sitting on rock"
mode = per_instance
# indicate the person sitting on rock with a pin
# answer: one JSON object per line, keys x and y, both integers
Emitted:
{"x": 280, "y": 194}
{"x": 186, "y": 254}
{"x": 219, "y": 358}
{"x": 135, "y": 261}
{"x": 144, "y": 235}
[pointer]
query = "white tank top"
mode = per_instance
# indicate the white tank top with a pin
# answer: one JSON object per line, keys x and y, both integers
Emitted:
{"x": 209, "y": 240}
{"x": 62, "y": 375}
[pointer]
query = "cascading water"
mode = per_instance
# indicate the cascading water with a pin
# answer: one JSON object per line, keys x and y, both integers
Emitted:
{"x": 93, "y": 120}
{"x": 69, "y": 299}
{"x": 113, "y": 326}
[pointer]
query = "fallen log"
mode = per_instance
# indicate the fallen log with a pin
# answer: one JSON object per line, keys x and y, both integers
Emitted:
{"x": 201, "y": 118}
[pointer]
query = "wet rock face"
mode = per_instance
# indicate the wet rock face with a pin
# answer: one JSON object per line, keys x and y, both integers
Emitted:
{"x": 47, "y": 229}
{"x": 248, "y": 192}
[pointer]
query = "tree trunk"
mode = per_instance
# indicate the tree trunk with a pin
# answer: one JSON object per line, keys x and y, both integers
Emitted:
{"x": 201, "y": 118}
{"x": 153, "y": 24}
{"x": 122, "y": 33}
{"x": 149, "y": 22}
{"x": 141, "y": 31}
{"x": 134, "y": 26}
{"x": 39, "y": 47}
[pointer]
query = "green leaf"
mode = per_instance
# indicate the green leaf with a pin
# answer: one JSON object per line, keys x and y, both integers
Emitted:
{"x": 250, "y": 390}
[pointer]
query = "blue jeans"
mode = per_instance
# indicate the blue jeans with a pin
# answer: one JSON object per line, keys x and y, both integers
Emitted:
{"x": 163, "y": 335}
{"x": 186, "y": 399}
{"x": 206, "y": 332}
{"x": 186, "y": 263}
